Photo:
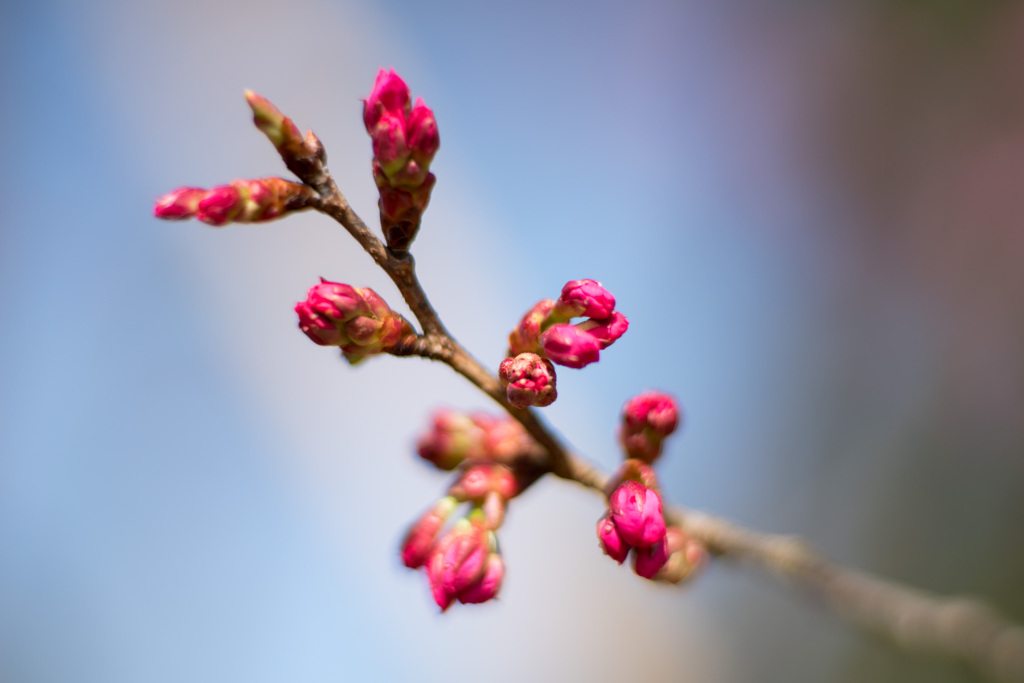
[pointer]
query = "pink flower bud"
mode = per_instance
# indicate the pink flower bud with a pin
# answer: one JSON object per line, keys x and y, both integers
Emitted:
{"x": 646, "y": 420}
{"x": 390, "y": 94}
{"x": 606, "y": 331}
{"x": 180, "y": 204}
{"x": 357, "y": 320}
{"x": 611, "y": 542}
{"x": 219, "y": 206}
{"x": 505, "y": 439}
{"x": 442, "y": 595}
{"x": 463, "y": 558}
{"x": 525, "y": 336}
{"x": 529, "y": 380}
{"x": 647, "y": 562}
{"x": 452, "y": 438}
{"x": 479, "y": 480}
{"x": 636, "y": 511}
{"x": 420, "y": 538}
{"x": 389, "y": 146}
{"x": 586, "y": 298}
{"x": 570, "y": 346}
{"x": 421, "y": 133}
{"x": 487, "y": 586}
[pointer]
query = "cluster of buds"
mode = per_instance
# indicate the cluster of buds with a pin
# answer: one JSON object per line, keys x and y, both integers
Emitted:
{"x": 545, "y": 336}
{"x": 243, "y": 201}
{"x": 405, "y": 140}
{"x": 455, "y": 438}
{"x": 646, "y": 420}
{"x": 635, "y": 521}
{"x": 355, "y": 319}
{"x": 545, "y": 329}
{"x": 462, "y": 561}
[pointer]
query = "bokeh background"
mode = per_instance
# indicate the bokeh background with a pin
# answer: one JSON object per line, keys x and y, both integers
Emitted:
{"x": 811, "y": 213}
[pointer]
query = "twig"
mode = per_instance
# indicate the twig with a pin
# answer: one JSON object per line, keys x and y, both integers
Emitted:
{"x": 960, "y": 628}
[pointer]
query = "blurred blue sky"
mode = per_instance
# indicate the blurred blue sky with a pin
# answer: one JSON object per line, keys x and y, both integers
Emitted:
{"x": 808, "y": 212}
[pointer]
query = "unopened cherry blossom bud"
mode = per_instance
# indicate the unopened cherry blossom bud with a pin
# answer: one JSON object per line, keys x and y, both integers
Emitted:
{"x": 611, "y": 541}
{"x": 219, "y": 206}
{"x": 570, "y": 346}
{"x": 525, "y": 337}
{"x": 452, "y": 438}
{"x": 179, "y": 204}
{"x": 647, "y": 562}
{"x": 443, "y": 596}
{"x": 304, "y": 156}
{"x": 463, "y": 558}
{"x": 390, "y": 95}
{"x": 487, "y": 586}
{"x": 356, "y": 319}
{"x": 636, "y": 511}
{"x": 420, "y": 537}
{"x": 480, "y": 480}
{"x": 606, "y": 331}
{"x": 646, "y": 420}
{"x": 505, "y": 439}
{"x": 529, "y": 380}
{"x": 279, "y": 129}
{"x": 389, "y": 145}
{"x": 585, "y": 298}
{"x": 421, "y": 133}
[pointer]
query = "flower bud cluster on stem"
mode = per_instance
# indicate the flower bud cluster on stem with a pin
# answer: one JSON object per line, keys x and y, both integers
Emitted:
{"x": 545, "y": 336}
{"x": 405, "y": 139}
{"x": 635, "y": 520}
{"x": 355, "y": 319}
{"x": 242, "y": 201}
{"x": 462, "y": 562}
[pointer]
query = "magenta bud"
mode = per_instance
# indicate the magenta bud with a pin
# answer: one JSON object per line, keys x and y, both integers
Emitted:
{"x": 636, "y": 511}
{"x": 420, "y": 538}
{"x": 646, "y": 420}
{"x": 390, "y": 94}
{"x": 442, "y": 595}
{"x": 219, "y": 206}
{"x": 452, "y": 438}
{"x": 611, "y": 542}
{"x": 487, "y": 586}
{"x": 529, "y": 380}
{"x": 606, "y": 331}
{"x": 357, "y": 320}
{"x": 505, "y": 439}
{"x": 389, "y": 145}
{"x": 586, "y": 298}
{"x": 570, "y": 346}
{"x": 421, "y": 133}
{"x": 179, "y": 204}
{"x": 479, "y": 480}
{"x": 464, "y": 557}
{"x": 647, "y": 562}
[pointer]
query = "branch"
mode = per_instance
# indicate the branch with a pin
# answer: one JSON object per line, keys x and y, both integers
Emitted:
{"x": 959, "y": 628}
